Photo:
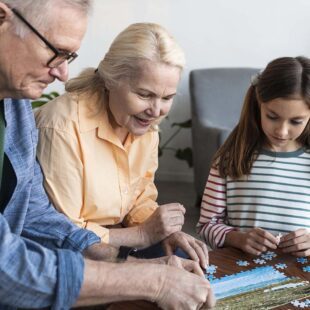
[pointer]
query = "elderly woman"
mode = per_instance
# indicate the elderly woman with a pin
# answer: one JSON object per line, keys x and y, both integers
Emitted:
{"x": 98, "y": 144}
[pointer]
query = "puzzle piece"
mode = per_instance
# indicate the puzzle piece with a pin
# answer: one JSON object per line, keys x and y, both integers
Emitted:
{"x": 306, "y": 269}
{"x": 272, "y": 254}
{"x": 302, "y": 260}
{"x": 266, "y": 257}
{"x": 242, "y": 263}
{"x": 211, "y": 269}
{"x": 281, "y": 266}
{"x": 210, "y": 277}
{"x": 259, "y": 261}
{"x": 301, "y": 304}
{"x": 278, "y": 237}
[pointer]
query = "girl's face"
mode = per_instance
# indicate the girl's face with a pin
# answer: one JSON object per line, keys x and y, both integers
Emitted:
{"x": 137, "y": 104}
{"x": 283, "y": 121}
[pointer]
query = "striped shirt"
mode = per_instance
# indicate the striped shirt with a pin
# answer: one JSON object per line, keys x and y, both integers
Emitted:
{"x": 274, "y": 196}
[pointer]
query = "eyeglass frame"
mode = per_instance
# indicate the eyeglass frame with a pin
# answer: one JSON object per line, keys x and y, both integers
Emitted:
{"x": 67, "y": 56}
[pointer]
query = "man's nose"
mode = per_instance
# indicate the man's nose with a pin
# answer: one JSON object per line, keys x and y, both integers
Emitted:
{"x": 60, "y": 72}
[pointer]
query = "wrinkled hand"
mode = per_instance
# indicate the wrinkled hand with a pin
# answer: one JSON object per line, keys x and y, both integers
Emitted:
{"x": 256, "y": 241}
{"x": 196, "y": 249}
{"x": 183, "y": 290}
{"x": 296, "y": 243}
{"x": 166, "y": 220}
{"x": 175, "y": 261}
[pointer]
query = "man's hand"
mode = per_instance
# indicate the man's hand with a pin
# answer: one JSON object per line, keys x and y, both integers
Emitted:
{"x": 296, "y": 243}
{"x": 184, "y": 290}
{"x": 166, "y": 220}
{"x": 170, "y": 287}
{"x": 196, "y": 249}
{"x": 254, "y": 241}
{"x": 172, "y": 260}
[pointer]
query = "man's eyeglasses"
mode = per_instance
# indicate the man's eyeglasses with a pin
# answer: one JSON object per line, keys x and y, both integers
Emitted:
{"x": 60, "y": 56}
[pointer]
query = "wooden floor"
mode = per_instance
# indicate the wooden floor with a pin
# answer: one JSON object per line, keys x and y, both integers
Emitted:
{"x": 185, "y": 194}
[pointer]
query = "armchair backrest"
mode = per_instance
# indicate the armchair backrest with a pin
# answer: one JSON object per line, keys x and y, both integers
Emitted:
{"x": 216, "y": 99}
{"x": 217, "y": 94}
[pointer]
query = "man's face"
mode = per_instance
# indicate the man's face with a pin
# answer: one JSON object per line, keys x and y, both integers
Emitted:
{"x": 23, "y": 61}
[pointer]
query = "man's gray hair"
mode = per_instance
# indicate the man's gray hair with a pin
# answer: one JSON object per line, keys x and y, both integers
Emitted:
{"x": 37, "y": 11}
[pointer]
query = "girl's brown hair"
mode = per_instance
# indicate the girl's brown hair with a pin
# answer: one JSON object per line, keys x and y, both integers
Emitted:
{"x": 287, "y": 78}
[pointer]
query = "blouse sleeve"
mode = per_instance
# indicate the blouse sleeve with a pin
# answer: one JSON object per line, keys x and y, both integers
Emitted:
{"x": 213, "y": 213}
{"x": 60, "y": 156}
{"x": 145, "y": 203}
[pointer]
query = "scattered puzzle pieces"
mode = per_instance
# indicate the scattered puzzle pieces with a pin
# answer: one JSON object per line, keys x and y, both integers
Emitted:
{"x": 281, "y": 266}
{"x": 242, "y": 263}
{"x": 302, "y": 260}
{"x": 273, "y": 254}
{"x": 301, "y": 304}
{"x": 268, "y": 255}
{"x": 259, "y": 261}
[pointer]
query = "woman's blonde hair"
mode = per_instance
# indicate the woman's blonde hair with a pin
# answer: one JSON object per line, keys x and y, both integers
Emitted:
{"x": 137, "y": 43}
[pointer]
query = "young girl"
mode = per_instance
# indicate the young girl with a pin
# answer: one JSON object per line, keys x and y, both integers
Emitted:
{"x": 259, "y": 186}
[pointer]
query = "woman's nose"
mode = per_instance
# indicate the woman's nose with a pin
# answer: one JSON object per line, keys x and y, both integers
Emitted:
{"x": 156, "y": 108}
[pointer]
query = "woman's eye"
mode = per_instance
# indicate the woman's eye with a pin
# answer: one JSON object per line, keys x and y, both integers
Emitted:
{"x": 144, "y": 96}
{"x": 168, "y": 98}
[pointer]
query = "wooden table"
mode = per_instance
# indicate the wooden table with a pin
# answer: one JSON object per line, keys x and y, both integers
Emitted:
{"x": 225, "y": 259}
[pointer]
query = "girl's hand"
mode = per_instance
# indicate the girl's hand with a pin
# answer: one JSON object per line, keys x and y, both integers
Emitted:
{"x": 254, "y": 241}
{"x": 296, "y": 243}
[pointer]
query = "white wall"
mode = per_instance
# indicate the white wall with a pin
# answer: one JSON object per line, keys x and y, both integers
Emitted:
{"x": 213, "y": 33}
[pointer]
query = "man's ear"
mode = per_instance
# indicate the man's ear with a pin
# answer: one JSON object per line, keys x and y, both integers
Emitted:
{"x": 5, "y": 13}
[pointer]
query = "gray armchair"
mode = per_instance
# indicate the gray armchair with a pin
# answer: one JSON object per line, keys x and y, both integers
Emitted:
{"x": 216, "y": 99}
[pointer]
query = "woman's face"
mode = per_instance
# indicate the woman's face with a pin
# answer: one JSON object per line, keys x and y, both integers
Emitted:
{"x": 138, "y": 103}
{"x": 283, "y": 121}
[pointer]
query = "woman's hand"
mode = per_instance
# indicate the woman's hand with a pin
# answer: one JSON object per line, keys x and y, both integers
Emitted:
{"x": 254, "y": 241}
{"x": 296, "y": 243}
{"x": 196, "y": 249}
{"x": 166, "y": 220}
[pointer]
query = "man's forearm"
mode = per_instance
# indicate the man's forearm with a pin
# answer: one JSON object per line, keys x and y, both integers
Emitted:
{"x": 101, "y": 252}
{"x": 110, "y": 282}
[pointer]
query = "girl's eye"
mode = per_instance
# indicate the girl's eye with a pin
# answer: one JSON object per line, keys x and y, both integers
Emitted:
{"x": 272, "y": 117}
{"x": 296, "y": 122}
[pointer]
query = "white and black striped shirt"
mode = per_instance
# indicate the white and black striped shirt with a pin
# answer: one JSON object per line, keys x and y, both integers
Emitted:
{"x": 274, "y": 196}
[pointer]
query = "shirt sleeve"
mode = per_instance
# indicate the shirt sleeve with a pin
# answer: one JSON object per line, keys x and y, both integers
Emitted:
{"x": 213, "y": 213}
{"x": 60, "y": 156}
{"x": 145, "y": 204}
{"x": 49, "y": 227}
{"x": 39, "y": 277}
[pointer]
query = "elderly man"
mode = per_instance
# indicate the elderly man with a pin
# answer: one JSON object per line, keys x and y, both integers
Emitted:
{"x": 46, "y": 261}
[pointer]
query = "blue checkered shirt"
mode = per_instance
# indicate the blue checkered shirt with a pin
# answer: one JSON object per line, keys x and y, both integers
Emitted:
{"x": 40, "y": 260}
